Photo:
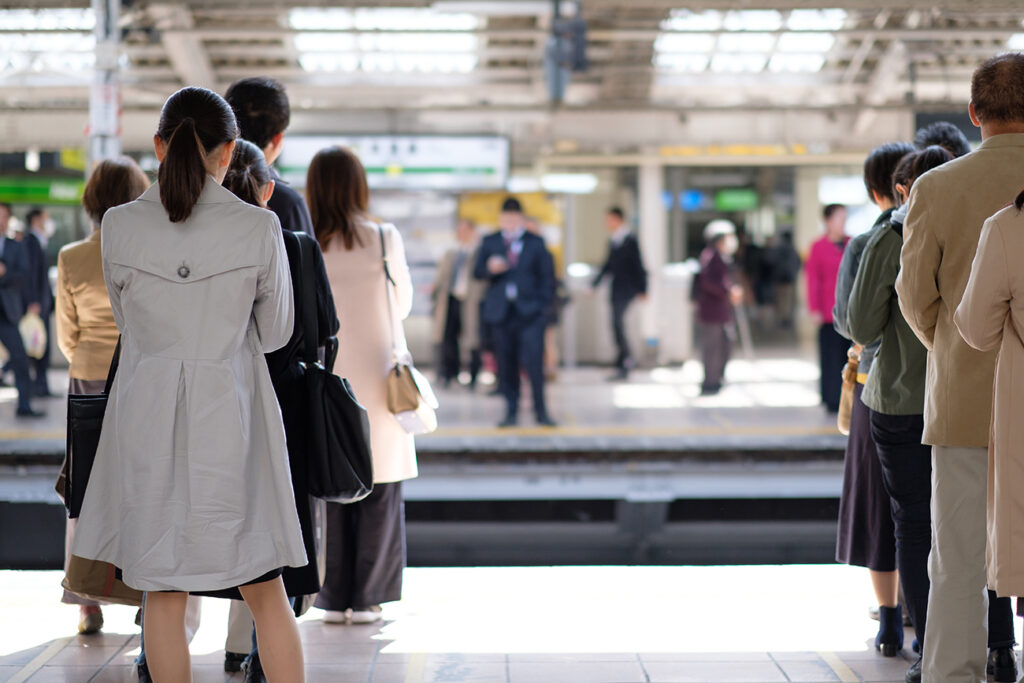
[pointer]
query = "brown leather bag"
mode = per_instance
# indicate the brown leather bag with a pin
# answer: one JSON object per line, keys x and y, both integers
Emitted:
{"x": 96, "y": 580}
{"x": 849, "y": 384}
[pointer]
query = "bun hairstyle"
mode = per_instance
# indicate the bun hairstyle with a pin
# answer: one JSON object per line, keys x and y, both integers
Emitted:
{"x": 193, "y": 122}
{"x": 112, "y": 183}
{"x": 338, "y": 195}
{"x": 248, "y": 174}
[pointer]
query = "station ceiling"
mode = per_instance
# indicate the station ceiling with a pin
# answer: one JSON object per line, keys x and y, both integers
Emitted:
{"x": 478, "y": 65}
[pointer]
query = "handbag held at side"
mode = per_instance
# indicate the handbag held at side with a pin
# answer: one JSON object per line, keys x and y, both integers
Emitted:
{"x": 338, "y": 438}
{"x": 410, "y": 397}
{"x": 846, "y": 397}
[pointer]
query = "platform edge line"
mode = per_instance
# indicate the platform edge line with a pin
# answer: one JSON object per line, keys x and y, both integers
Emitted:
{"x": 40, "y": 660}
{"x": 839, "y": 667}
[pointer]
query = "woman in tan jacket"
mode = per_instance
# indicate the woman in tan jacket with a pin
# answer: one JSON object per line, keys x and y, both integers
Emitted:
{"x": 991, "y": 316}
{"x": 86, "y": 332}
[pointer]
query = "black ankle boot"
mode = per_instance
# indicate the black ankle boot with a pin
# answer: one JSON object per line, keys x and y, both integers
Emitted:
{"x": 1002, "y": 664}
{"x": 890, "y": 631}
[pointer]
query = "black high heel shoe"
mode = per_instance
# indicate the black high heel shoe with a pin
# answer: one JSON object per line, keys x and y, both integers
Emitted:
{"x": 890, "y": 631}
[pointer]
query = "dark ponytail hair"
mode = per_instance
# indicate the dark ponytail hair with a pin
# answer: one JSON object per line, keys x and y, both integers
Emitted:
{"x": 193, "y": 122}
{"x": 248, "y": 173}
{"x": 916, "y": 164}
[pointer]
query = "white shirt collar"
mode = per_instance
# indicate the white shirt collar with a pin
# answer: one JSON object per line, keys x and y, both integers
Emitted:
{"x": 620, "y": 235}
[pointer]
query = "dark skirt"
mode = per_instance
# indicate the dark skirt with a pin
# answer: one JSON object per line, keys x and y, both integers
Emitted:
{"x": 832, "y": 348}
{"x": 866, "y": 535}
{"x": 365, "y": 551}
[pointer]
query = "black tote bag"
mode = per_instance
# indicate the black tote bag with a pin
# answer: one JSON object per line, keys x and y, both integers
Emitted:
{"x": 338, "y": 440}
{"x": 85, "y": 421}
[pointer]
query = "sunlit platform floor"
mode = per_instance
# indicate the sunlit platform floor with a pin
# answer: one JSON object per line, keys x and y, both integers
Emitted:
{"x": 769, "y": 402}
{"x": 511, "y": 625}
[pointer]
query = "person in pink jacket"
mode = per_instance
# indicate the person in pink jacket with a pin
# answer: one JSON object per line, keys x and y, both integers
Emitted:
{"x": 822, "y": 268}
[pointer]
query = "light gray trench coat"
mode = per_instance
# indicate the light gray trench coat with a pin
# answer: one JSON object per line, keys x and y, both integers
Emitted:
{"x": 191, "y": 487}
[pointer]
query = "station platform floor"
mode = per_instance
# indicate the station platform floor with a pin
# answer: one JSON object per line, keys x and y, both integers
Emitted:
{"x": 768, "y": 402}
{"x": 806, "y": 623}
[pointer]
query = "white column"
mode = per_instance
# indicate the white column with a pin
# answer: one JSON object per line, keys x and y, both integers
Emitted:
{"x": 653, "y": 237}
{"x": 105, "y": 95}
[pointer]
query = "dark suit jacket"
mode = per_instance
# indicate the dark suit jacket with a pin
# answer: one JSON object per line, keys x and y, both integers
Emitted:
{"x": 629, "y": 278}
{"x": 533, "y": 276}
{"x": 289, "y": 206}
{"x": 713, "y": 305}
{"x": 15, "y": 293}
{"x": 38, "y": 274}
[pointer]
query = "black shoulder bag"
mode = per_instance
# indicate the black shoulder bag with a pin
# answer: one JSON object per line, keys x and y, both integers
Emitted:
{"x": 338, "y": 439}
{"x": 85, "y": 420}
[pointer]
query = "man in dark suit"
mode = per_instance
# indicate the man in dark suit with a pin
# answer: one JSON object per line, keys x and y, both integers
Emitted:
{"x": 14, "y": 284}
{"x": 629, "y": 281}
{"x": 40, "y": 293}
{"x": 263, "y": 112}
{"x": 521, "y": 274}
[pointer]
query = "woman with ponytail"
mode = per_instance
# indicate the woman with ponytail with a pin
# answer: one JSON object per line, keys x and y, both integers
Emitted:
{"x": 191, "y": 489}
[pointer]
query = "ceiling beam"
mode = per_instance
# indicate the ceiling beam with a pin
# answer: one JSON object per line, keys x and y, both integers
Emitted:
{"x": 184, "y": 48}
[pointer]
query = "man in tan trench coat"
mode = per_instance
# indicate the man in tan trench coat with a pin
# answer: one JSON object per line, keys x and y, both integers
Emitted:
{"x": 947, "y": 209}
{"x": 456, "y": 297}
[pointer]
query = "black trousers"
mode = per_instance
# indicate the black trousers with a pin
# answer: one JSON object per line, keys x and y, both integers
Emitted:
{"x": 832, "y": 348}
{"x": 907, "y": 475}
{"x": 715, "y": 348}
{"x": 519, "y": 345}
{"x": 619, "y": 308}
{"x": 40, "y": 366}
{"x": 450, "y": 353}
{"x": 18, "y": 361}
{"x": 365, "y": 551}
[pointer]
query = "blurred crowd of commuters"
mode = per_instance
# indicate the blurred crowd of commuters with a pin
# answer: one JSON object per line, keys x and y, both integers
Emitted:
{"x": 929, "y": 303}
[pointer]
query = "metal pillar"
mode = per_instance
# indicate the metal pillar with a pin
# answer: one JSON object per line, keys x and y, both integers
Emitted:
{"x": 105, "y": 95}
{"x": 653, "y": 236}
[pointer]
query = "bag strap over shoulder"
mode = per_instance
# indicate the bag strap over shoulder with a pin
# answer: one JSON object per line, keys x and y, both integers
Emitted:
{"x": 389, "y": 282}
{"x": 114, "y": 362}
{"x": 307, "y": 299}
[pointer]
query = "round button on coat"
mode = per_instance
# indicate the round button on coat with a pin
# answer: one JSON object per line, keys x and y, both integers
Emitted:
{"x": 183, "y": 272}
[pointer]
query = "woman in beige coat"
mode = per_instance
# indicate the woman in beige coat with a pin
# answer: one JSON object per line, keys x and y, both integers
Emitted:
{"x": 86, "y": 331}
{"x": 365, "y": 540}
{"x": 991, "y": 316}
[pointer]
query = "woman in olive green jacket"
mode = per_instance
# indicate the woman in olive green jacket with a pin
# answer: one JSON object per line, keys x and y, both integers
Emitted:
{"x": 894, "y": 392}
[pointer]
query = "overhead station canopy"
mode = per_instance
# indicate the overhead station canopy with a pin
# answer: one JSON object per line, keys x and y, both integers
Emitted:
{"x": 483, "y": 66}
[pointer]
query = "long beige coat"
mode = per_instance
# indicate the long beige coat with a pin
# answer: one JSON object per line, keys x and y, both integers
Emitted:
{"x": 469, "y": 338}
{"x": 948, "y": 206}
{"x": 191, "y": 488}
{"x": 364, "y": 341}
{"x": 991, "y": 316}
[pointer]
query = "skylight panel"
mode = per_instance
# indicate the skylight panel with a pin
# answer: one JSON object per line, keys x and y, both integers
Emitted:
{"x": 47, "y": 20}
{"x": 1016, "y": 42}
{"x": 685, "y": 20}
{"x": 691, "y": 63}
{"x": 796, "y": 63}
{"x": 746, "y": 42}
{"x": 816, "y": 19}
{"x": 684, "y": 42}
{"x": 752, "y": 20}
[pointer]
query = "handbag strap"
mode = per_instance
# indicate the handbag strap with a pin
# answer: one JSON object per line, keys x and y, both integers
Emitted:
{"x": 114, "y": 362}
{"x": 389, "y": 282}
{"x": 307, "y": 299}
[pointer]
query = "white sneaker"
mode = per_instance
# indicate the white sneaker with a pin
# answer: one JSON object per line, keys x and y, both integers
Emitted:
{"x": 366, "y": 615}
{"x": 335, "y": 617}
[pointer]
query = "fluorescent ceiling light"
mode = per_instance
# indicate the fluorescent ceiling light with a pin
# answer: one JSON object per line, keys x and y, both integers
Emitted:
{"x": 684, "y": 42}
{"x": 738, "y": 63}
{"x": 502, "y": 8}
{"x": 752, "y": 20}
{"x": 816, "y": 19}
{"x": 386, "y": 62}
{"x": 746, "y": 42}
{"x": 569, "y": 183}
{"x": 418, "y": 42}
{"x": 521, "y": 184}
{"x": 381, "y": 19}
{"x": 806, "y": 42}
{"x": 793, "y": 63}
{"x": 1016, "y": 42}
{"x": 685, "y": 20}
{"x": 47, "y": 19}
{"x": 325, "y": 42}
{"x": 682, "y": 62}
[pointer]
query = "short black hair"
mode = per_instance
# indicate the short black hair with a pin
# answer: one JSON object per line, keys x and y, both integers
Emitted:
{"x": 616, "y": 211}
{"x": 944, "y": 134}
{"x": 916, "y": 164}
{"x": 33, "y": 213}
{"x": 831, "y": 209}
{"x": 511, "y": 205}
{"x": 261, "y": 108}
{"x": 997, "y": 89}
{"x": 880, "y": 164}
